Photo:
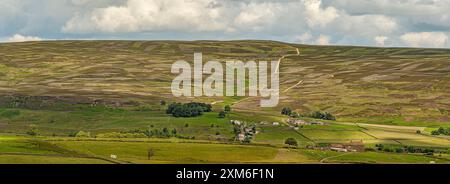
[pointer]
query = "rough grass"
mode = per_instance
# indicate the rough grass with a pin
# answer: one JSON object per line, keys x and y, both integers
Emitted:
{"x": 398, "y": 86}
{"x": 384, "y": 86}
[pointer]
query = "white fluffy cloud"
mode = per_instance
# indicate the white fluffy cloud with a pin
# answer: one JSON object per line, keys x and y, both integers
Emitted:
{"x": 257, "y": 15}
{"x": 21, "y": 38}
{"x": 150, "y": 15}
{"x": 323, "y": 40}
{"x": 425, "y": 39}
{"x": 304, "y": 38}
{"x": 380, "y": 40}
{"x": 317, "y": 15}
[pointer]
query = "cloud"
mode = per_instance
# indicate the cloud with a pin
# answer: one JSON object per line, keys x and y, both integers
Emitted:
{"x": 318, "y": 16}
{"x": 380, "y": 40}
{"x": 344, "y": 22}
{"x": 201, "y": 16}
{"x": 150, "y": 15}
{"x": 323, "y": 40}
{"x": 257, "y": 15}
{"x": 21, "y": 38}
{"x": 425, "y": 39}
{"x": 305, "y": 37}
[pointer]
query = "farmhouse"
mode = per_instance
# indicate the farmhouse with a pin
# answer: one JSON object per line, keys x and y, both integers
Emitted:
{"x": 338, "y": 149}
{"x": 241, "y": 136}
{"x": 303, "y": 122}
{"x": 296, "y": 121}
{"x": 243, "y": 132}
{"x": 235, "y": 122}
{"x": 353, "y": 146}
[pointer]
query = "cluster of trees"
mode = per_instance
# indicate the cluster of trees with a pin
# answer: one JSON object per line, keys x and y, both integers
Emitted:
{"x": 405, "y": 149}
{"x": 33, "y": 130}
{"x": 121, "y": 135}
{"x": 441, "y": 131}
{"x": 286, "y": 111}
{"x": 322, "y": 115}
{"x": 226, "y": 110}
{"x": 160, "y": 133}
{"x": 222, "y": 114}
{"x": 191, "y": 109}
{"x": 316, "y": 115}
{"x": 291, "y": 142}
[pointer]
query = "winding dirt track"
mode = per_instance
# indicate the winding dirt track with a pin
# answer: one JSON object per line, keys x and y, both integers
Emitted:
{"x": 300, "y": 82}
{"x": 277, "y": 71}
{"x": 324, "y": 159}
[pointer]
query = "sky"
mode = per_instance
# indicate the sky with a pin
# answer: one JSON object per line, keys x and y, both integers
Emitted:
{"x": 381, "y": 23}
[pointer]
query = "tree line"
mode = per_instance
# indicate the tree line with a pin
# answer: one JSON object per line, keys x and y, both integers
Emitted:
{"x": 441, "y": 131}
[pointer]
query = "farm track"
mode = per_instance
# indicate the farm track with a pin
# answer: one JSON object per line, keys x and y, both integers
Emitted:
{"x": 216, "y": 102}
{"x": 277, "y": 71}
{"x": 300, "y": 82}
{"x": 327, "y": 158}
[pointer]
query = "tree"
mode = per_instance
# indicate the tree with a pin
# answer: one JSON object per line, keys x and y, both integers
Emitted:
{"x": 222, "y": 114}
{"x": 328, "y": 116}
{"x": 295, "y": 115}
{"x": 399, "y": 150}
{"x": 33, "y": 131}
{"x": 247, "y": 139}
{"x": 165, "y": 132}
{"x": 291, "y": 142}
{"x": 227, "y": 109}
{"x": 286, "y": 111}
{"x": 441, "y": 130}
{"x": 379, "y": 146}
{"x": 150, "y": 153}
{"x": 434, "y": 132}
{"x": 174, "y": 131}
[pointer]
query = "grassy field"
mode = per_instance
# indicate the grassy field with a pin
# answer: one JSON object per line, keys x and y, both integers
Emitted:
{"x": 97, "y": 151}
{"x": 386, "y": 158}
{"x": 389, "y": 96}
{"x": 30, "y": 159}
